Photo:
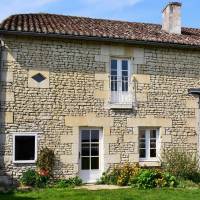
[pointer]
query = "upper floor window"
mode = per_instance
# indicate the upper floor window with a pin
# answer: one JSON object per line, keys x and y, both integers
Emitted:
{"x": 120, "y": 82}
{"x": 120, "y": 72}
{"x": 149, "y": 144}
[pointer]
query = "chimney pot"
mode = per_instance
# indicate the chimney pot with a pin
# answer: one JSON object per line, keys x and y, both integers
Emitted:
{"x": 172, "y": 18}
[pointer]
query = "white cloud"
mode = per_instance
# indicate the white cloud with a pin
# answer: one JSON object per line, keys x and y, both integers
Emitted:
{"x": 9, "y": 7}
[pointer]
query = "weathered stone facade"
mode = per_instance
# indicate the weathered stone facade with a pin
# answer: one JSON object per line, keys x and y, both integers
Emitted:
{"x": 77, "y": 94}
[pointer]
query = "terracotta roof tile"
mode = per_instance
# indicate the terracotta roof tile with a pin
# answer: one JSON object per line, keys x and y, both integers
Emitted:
{"x": 82, "y": 26}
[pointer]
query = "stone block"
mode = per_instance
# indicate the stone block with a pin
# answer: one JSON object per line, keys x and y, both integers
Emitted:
{"x": 6, "y": 117}
{"x": 166, "y": 138}
{"x": 35, "y": 84}
{"x": 131, "y": 138}
{"x": 7, "y": 96}
{"x": 101, "y": 94}
{"x": 150, "y": 164}
{"x": 192, "y": 103}
{"x": 141, "y": 96}
{"x": 191, "y": 122}
{"x": 133, "y": 158}
{"x": 112, "y": 158}
{"x": 192, "y": 139}
{"x": 101, "y": 76}
{"x": 68, "y": 159}
{"x": 138, "y": 54}
{"x": 89, "y": 120}
{"x": 149, "y": 121}
{"x": 6, "y": 76}
{"x": 142, "y": 78}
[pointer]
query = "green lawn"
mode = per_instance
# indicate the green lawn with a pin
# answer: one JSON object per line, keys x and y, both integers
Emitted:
{"x": 122, "y": 194}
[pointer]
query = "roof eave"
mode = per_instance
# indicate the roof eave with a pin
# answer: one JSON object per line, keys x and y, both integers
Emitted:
{"x": 102, "y": 39}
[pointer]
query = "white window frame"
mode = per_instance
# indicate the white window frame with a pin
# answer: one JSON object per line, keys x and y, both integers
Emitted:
{"x": 36, "y": 147}
{"x": 119, "y": 71}
{"x": 147, "y": 145}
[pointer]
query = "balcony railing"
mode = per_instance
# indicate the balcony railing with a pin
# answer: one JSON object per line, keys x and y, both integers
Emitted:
{"x": 122, "y": 92}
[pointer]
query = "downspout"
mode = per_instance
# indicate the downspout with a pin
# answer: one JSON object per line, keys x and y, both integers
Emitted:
{"x": 2, "y": 48}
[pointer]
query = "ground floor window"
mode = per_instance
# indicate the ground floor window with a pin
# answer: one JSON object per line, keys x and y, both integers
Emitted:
{"x": 24, "y": 148}
{"x": 148, "y": 144}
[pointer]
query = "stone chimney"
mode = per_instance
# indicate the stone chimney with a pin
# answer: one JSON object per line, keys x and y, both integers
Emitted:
{"x": 172, "y": 18}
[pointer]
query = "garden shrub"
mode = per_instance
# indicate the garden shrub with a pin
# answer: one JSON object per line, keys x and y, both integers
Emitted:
{"x": 45, "y": 162}
{"x": 151, "y": 178}
{"x": 182, "y": 164}
{"x": 33, "y": 179}
{"x": 119, "y": 175}
{"x": 137, "y": 177}
{"x": 71, "y": 182}
{"x": 29, "y": 177}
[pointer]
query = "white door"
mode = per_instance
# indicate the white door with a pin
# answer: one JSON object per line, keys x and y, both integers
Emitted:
{"x": 90, "y": 154}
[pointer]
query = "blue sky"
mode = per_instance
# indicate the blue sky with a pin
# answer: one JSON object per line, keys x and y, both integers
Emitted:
{"x": 129, "y": 10}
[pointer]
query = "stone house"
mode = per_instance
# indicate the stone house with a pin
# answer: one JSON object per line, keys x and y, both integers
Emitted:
{"x": 98, "y": 92}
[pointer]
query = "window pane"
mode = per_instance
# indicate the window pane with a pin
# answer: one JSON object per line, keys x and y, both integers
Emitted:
{"x": 95, "y": 163}
{"x": 85, "y": 150}
{"x": 85, "y": 163}
{"x": 113, "y": 64}
{"x": 153, "y": 144}
{"x": 95, "y": 136}
{"x": 142, "y": 134}
{"x": 85, "y": 135}
{"x": 142, "y": 153}
{"x": 24, "y": 148}
{"x": 142, "y": 145}
{"x": 94, "y": 149}
{"x": 124, "y": 86}
{"x": 152, "y": 133}
{"x": 114, "y": 83}
{"x": 152, "y": 152}
{"x": 124, "y": 73}
{"x": 113, "y": 73}
{"x": 124, "y": 64}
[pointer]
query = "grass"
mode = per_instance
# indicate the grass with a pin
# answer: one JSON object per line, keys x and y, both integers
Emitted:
{"x": 121, "y": 194}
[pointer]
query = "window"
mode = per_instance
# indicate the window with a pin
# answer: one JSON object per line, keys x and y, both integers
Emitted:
{"x": 90, "y": 149}
{"x": 38, "y": 77}
{"x": 119, "y": 74}
{"x": 24, "y": 148}
{"x": 148, "y": 144}
{"x": 120, "y": 85}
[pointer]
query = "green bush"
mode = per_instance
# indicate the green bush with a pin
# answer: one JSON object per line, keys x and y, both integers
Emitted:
{"x": 71, "y": 182}
{"x": 32, "y": 178}
{"x": 119, "y": 175}
{"x": 182, "y": 164}
{"x": 42, "y": 181}
{"x": 150, "y": 178}
{"x": 137, "y": 177}
{"x": 29, "y": 177}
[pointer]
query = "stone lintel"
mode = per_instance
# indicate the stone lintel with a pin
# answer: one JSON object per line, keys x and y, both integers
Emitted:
{"x": 149, "y": 121}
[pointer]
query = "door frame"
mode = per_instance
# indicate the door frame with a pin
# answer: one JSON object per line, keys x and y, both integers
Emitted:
{"x": 101, "y": 150}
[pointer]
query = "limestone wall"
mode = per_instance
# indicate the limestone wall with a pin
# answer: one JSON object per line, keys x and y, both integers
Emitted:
{"x": 75, "y": 94}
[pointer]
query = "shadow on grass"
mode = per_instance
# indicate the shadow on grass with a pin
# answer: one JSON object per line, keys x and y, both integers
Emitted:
{"x": 12, "y": 196}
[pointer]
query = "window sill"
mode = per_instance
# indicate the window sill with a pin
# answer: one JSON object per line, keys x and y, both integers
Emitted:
{"x": 150, "y": 163}
{"x": 24, "y": 162}
{"x": 120, "y": 106}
